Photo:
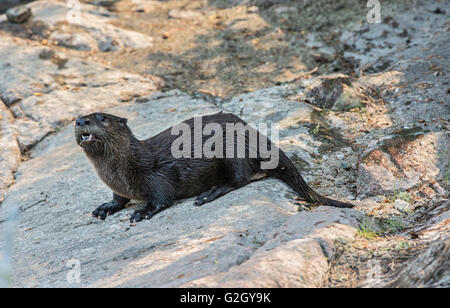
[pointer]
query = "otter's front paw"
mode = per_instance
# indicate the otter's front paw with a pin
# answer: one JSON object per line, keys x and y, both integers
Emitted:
{"x": 139, "y": 215}
{"x": 106, "y": 209}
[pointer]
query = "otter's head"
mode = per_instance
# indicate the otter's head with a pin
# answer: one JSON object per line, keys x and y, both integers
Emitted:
{"x": 97, "y": 133}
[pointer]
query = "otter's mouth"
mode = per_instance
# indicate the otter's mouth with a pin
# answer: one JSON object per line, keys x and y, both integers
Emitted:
{"x": 87, "y": 138}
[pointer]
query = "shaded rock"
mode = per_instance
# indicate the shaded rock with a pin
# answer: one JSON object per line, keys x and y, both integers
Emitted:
{"x": 430, "y": 266}
{"x": 222, "y": 252}
{"x": 434, "y": 221}
{"x": 427, "y": 191}
{"x": 94, "y": 22}
{"x": 78, "y": 41}
{"x": 336, "y": 93}
{"x": 402, "y": 161}
{"x": 18, "y": 14}
{"x": 6, "y": 4}
{"x": 298, "y": 259}
{"x": 430, "y": 269}
{"x": 107, "y": 44}
{"x": 305, "y": 223}
{"x": 47, "y": 54}
{"x": 437, "y": 188}
{"x": 105, "y": 3}
{"x": 298, "y": 263}
{"x": 10, "y": 97}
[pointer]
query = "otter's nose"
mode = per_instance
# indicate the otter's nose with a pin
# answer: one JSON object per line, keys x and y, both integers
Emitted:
{"x": 82, "y": 122}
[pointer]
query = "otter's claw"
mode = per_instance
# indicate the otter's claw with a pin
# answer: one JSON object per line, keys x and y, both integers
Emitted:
{"x": 100, "y": 213}
{"x": 139, "y": 215}
{"x": 106, "y": 209}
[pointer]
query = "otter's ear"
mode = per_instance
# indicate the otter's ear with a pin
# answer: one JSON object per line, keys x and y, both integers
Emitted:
{"x": 123, "y": 120}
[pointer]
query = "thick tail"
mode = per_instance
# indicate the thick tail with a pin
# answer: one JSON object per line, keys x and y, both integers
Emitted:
{"x": 288, "y": 173}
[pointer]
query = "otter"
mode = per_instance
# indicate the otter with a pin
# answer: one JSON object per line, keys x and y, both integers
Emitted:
{"x": 146, "y": 170}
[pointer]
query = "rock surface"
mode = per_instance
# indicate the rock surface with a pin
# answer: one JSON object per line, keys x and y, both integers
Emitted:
{"x": 234, "y": 226}
{"x": 375, "y": 132}
{"x": 296, "y": 255}
{"x": 41, "y": 83}
{"x": 211, "y": 239}
{"x": 336, "y": 93}
{"x": 402, "y": 161}
{"x": 10, "y": 152}
{"x": 434, "y": 268}
{"x": 82, "y": 26}
{"x": 18, "y": 15}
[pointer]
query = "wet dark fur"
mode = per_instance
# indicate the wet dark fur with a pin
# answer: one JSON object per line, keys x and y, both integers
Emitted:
{"x": 146, "y": 170}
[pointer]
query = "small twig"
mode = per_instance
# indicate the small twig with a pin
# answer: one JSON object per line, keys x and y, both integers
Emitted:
{"x": 303, "y": 75}
{"x": 40, "y": 201}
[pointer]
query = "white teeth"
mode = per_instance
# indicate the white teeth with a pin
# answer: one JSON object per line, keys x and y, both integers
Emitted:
{"x": 89, "y": 137}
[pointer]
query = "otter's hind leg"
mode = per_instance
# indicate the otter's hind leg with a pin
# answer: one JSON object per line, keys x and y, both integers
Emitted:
{"x": 213, "y": 194}
{"x": 238, "y": 173}
{"x": 118, "y": 203}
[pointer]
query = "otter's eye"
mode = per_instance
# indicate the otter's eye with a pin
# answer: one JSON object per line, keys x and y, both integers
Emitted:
{"x": 101, "y": 117}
